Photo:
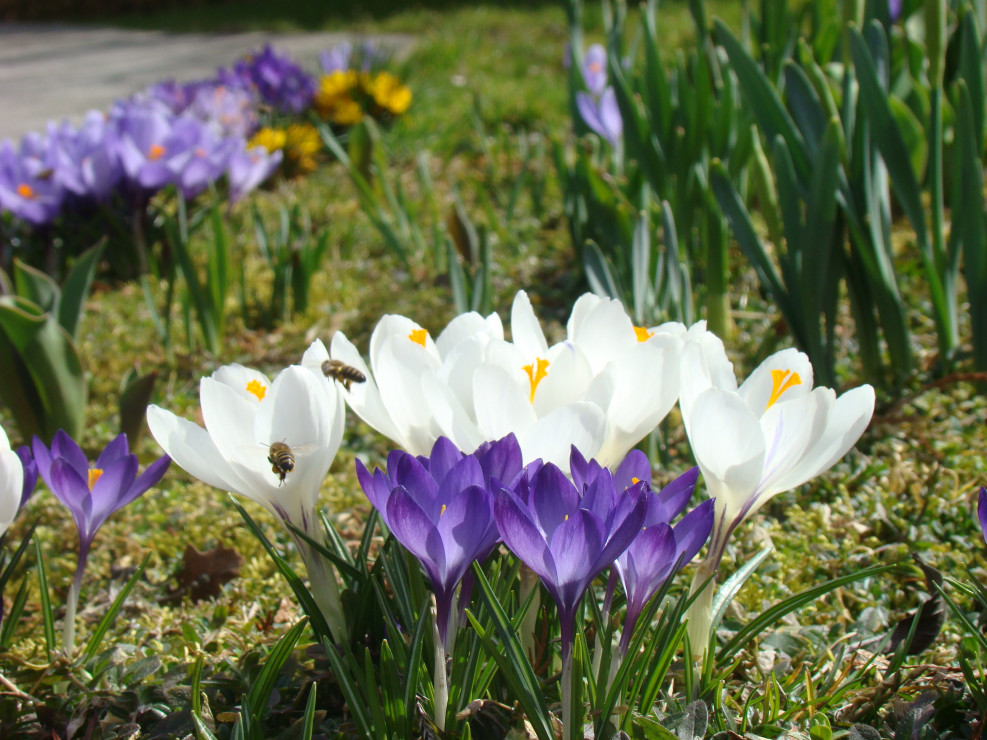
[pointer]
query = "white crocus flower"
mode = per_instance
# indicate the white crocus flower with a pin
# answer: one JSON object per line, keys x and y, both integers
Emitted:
{"x": 602, "y": 389}
{"x": 11, "y": 482}
{"x": 773, "y": 433}
{"x": 244, "y": 414}
{"x": 403, "y": 360}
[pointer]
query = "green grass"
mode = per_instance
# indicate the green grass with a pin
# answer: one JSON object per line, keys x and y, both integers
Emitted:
{"x": 482, "y": 76}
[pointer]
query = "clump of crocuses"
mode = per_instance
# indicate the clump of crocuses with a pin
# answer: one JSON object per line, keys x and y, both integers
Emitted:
{"x": 92, "y": 493}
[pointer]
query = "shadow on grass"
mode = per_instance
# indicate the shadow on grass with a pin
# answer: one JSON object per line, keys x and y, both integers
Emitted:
{"x": 243, "y": 15}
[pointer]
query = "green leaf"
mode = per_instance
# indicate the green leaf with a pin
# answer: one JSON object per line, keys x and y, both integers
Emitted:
{"x": 96, "y": 639}
{"x": 308, "y": 722}
{"x": 34, "y": 285}
{"x": 260, "y": 691}
{"x": 47, "y": 615}
{"x": 41, "y": 376}
{"x": 75, "y": 289}
{"x": 135, "y": 395}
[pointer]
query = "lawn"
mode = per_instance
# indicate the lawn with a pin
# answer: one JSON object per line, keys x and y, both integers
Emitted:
{"x": 490, "y": 112}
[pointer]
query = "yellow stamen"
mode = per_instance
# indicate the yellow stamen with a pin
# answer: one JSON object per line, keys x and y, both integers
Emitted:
{"x": 635, "y": 481}
{"x": 566, "y": 518}
{"x": 536, "y": 375}
{"x": 94, "y": 475}
{"x": 442, "y": 510}
{"x": 418, "y": 336}
{"x": 781, "y": 381}
{"x": 155, "y": 152}
{"x": 642, "y": 333}
{"x": 25, "y": 191}
{"x": 257, "y": 388}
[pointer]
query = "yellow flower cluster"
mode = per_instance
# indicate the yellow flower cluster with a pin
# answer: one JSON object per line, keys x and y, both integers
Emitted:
{"x": 300, "y": 143}
{"x": 344, "y": 98}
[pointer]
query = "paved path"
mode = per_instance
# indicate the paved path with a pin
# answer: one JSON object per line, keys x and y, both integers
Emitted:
{"x": 54, "y": 72}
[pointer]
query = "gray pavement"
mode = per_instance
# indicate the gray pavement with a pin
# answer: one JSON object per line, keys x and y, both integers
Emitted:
{"x": 50, "y": 73}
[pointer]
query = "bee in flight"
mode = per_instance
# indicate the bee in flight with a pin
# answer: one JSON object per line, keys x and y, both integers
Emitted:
{"x": 282, "y": 459}
{"x": 345, "y": 374}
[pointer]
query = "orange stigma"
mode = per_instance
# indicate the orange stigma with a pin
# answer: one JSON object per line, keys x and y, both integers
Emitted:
{"x": 257, "y": 388}
{"x": 94, "y": 475}
{"x": 781, "y": 381}
{"x": 642, "y": 334}
{"x": 156, "y": 152}
{"x": 536, "y": 374}
{"x": 25, "y": 191}
{"x": 418, "y": 336}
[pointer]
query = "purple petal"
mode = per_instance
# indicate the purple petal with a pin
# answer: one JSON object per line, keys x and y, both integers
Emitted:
{"x": 595, "y": 68}
{"x": 676, "y": 494}
{"x": 465, "y": 528}
{"x": 575, "y": 546}
{"x": 500, "y": 459}
{"x": 420, "y": 484}
{"x": 624, "y": 529}
{"x": 521, "y": 535}
{"x": 72, "y": 490}
{"x": 113, "y": 452}
{"x": 30, "y": 473}
{"x": 444, "y": 457}
{"x": 982, "y": 511}
{"x": 553, "y": 499}
{"x": 464, "y": 474}
{"x": 613, "y": 123}
{"x": 62, "y": 445}
{"x": 412, "y": 527}
{"x": 645, "y": 565}
{"x": 108, "y": 492}
{"x": 633, "y": 468}
{"x": 150, "y": 477}
{"x": 590, "y": 112}
{"x": 692, "y": 532}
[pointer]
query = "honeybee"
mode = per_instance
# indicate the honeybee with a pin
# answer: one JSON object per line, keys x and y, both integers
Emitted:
{"x": 345, "y": 374}
{"x": 282, "y": 459}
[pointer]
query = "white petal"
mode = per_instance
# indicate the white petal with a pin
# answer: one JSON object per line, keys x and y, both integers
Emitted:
{"x": 394, "y": 326}
{"x": 759, "y": 389}
{"x": 846, "y": 419}
{"x": 728, "y": 445}
{"x": 192, "y": 449}
{"x": 458, "y": 368}
{"x": 400, "y": 369}
{"x": 239, "y": 378}
{"x": 551, "y": 437}
{"x": 364, "y": 398}
{"x": 790, "y": 429}
{"x": 526, "y": 332}
{"x": 466, "y": 326}
{"x": 4, "y": 441}
{"x": 296, "y": 411}
{"x": 569, "y": 375}
{"x": 603, "y": 333}
{"x": 502, "y": 406}
{"x": 11, "y": 483}
{"x": 581, "y": 309}
{"x": 228, "y": 415}
{"x": 703, "y": 365}
{"x": 636, "y": 393}
{"x": 453, "y": 419}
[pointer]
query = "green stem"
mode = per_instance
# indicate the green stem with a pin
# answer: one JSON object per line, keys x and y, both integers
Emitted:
{"x": 325, "y": 590}
{"x": 440, "y": 680}
{"x": 71, "y": 606}
{"x": 529, "y": 583}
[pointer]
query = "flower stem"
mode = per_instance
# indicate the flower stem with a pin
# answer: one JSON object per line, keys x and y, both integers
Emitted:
{"x": 529, "y": 583}
{"x": 440, "y": 681}
{"x": 325, "y": 590}
{"x": 567, "y": 624}
{"x": 700, "y": 614}
{"x": 68, "y": 624}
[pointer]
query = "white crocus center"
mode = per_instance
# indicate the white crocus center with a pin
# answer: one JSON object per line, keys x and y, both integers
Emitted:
{"x": 536, "y": 372}
{"x": 781, "y": 381}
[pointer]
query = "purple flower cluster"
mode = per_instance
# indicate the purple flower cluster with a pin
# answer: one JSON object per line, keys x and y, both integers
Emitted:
{"x": 187, "y": 135}
{"x": 450, "y": 509}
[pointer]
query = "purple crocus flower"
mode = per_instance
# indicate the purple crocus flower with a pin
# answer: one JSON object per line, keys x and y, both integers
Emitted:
{"x": 894, "y": 9}
{"x": 248, "y": 168}
{"x": 982, "y": 511}
{"x": 92, "y": 494}
{"x": 30, "y": 473}
{"x": 229, "y": 111}
{"x": 569, "y": 535}
{"x": 439, "y": 508}
{"x": 27, "y": 188}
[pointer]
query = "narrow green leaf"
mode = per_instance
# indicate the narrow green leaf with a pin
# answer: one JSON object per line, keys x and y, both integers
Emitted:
{"x": 263, "y": 685}
{"x": 308, "y": 721}
{"x": 75, "y": 289}
{"x": 47, "y": 615}
{"x": 96, "y": 639}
